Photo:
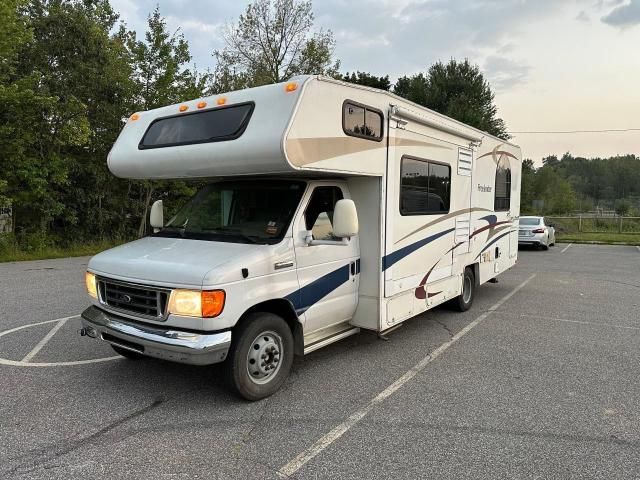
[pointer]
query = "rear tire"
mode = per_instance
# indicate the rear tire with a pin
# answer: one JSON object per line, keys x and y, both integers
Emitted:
{"x": 261, "y": 356}
{"x": 463, "y": 302}
{"x": 131, "y": 355}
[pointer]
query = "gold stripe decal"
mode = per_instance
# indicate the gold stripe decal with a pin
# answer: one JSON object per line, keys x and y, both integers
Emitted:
{"x": 442, "y": 219}
{"x": 303, "y": 151}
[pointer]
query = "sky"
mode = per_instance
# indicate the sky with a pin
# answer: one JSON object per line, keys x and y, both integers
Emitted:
{"x": 555, "y": 65}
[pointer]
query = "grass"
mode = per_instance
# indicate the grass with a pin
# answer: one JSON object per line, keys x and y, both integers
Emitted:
{"x": 14, "y": 254}
{"x": 604, "y": 238}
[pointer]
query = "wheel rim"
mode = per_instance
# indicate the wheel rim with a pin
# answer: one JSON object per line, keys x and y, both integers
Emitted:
{"x": 466, "y": 289}
{"x": 265, "y": 357}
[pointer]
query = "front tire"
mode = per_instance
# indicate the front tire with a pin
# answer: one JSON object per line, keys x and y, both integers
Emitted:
{"x": 463, "y": 302}
{"x": 261, "y": 356}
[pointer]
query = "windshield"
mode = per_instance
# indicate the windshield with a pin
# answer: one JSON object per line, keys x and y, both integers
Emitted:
{"x": 246, "y": 211}
{"x": 530, "y": 221}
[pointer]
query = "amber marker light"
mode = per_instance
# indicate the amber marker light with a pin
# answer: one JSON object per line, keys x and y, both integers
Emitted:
{"x": 183, "y": 108}
{"x": 212, "y": 303}
{"x": 291, "y": 87}
{"x": 221, "y": 101}
{"x": 134, "y": 117}
{"x": 201, "y": 104}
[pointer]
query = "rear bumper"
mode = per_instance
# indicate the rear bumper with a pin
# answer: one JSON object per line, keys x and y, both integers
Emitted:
{"x": 537, "y": 239}
{"x": 529, "y": 241}
{"x": 155, "y": 341}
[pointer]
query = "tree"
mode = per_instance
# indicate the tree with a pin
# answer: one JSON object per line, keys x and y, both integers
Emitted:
{"x": 527, "y": 193}
{"x": 551, "y": 161}
{"x": 160, "y": 66}
{"x": 558, "y": 196}
{"x": 85, "y": 68}
{"x": 364, "y": 78}
{"x": 458, "y": 90}
{"x": 414, "y": 88}
{"x": 272, "y": 42}
{"x": 623, "y": 207}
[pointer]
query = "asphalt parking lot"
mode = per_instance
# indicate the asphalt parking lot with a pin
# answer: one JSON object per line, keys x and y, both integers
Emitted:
{"x": 538, "y": 380}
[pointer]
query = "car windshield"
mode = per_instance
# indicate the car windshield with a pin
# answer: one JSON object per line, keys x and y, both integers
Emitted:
{"x": 247, "y": 211}
{"x": 530, "y": 221}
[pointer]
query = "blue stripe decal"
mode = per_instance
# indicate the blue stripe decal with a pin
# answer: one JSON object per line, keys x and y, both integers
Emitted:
{"x": 491, "y": 219}
{"x": 494, "y": 241}
{"x": 389, "y": 260}
{"x": 306, "y": 296}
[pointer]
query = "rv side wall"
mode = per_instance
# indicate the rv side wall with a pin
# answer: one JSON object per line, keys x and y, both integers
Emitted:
{"x": 449, "y": 205}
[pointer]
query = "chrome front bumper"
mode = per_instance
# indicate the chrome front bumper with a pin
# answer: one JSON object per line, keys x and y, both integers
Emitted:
{"x": 154, "y": 341}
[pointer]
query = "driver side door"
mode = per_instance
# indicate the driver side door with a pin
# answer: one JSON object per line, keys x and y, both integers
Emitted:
{"x": 327, "y": 274}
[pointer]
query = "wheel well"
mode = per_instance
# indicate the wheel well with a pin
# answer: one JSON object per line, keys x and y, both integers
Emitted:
{"x": 475, "y": 268}
{"x": 284, "y": 309}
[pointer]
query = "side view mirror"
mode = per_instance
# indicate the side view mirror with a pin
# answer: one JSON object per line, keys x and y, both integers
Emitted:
{"x": 345, "y": 219}
{"x": 156, "y": 217}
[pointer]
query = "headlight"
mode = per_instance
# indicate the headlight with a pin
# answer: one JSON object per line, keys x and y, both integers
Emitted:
{"x": 196, "y": 303}
{"x": 90, "y": 282}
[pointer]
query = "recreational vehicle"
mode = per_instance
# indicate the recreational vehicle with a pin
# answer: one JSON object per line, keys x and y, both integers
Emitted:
{"x": 327, "y": 208}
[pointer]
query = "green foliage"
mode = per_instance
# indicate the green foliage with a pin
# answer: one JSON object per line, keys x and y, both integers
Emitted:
{"x": 364, "y": 78}
{"x": 272, "y": 42}
{"x": 458, "y": 90}
{"x": 622, "y": 206}
{"x": 160, "y": 66}
{"x": 558, "y": 195}
{"x": 68, "y": 78}
{"x": 573, "y": 183}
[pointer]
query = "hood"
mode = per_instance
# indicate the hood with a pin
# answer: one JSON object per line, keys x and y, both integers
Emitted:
{"x": 172, "y": 262}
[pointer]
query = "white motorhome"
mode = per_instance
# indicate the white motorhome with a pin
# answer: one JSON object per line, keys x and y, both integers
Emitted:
{"x": 329, "y": 208}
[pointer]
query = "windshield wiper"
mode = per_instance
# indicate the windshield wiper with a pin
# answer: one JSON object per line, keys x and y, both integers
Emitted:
{"x": 238, "y": 233}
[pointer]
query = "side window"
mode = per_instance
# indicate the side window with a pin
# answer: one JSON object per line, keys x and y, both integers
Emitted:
{"x": 424, "y": 187}
{"x": 319, "y": 214}
{"x": 502, "y": 201}
{"x": 361, "y": 121}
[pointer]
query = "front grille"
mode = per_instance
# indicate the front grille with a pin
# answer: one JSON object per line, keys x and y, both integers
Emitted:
{"x": 135, "y": 299}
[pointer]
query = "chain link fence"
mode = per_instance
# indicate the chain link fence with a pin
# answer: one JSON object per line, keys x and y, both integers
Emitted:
{"x": 595, "y": 224}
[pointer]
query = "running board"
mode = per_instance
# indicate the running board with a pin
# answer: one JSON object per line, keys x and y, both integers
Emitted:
{"x": 330, "y": 339}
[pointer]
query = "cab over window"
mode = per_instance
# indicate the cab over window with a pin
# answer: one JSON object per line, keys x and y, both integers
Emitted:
{"x": 319, "y": 215}
{"x": 424, "y": 187}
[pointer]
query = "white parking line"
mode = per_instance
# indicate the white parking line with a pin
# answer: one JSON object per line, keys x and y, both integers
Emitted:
{"x": 23, "y": 363}
{"x": 44, "y": 341}
{"x": 326, "y": 440}
{"x": 566, "y": 248}
{"x": 7, "y": 332}
{"x": 15, "y": 363}
{"x": 638, "y": 248}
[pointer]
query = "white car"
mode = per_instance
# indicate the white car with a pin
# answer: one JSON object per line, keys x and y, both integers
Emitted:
{"x": 535, "y": 231}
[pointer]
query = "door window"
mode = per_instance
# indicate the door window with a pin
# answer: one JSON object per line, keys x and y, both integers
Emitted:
{"x": 319, "y": 215}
